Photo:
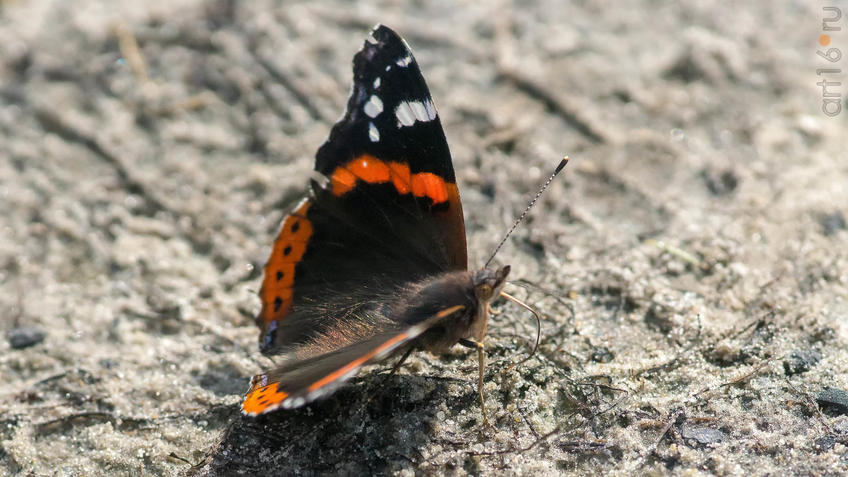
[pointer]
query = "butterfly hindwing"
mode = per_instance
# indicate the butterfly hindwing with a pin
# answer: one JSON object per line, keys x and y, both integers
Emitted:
{"x": 303, "y": 381}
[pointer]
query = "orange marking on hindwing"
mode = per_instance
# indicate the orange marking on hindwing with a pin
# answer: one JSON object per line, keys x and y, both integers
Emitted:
{"x": 260, "y": 398}
{"x": 369, "y": 169}
{"x": 276, "y": 292}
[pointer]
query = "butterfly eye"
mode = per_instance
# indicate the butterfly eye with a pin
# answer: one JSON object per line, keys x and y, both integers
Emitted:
{"x": 484, "y": 291}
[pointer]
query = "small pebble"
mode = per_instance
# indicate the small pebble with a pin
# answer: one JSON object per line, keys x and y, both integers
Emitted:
{"x": 25, "y": 336}
{"x": 825, "y": 443}
{"x": 721, "y": 183}
{"x": 701, "y": 436}
{"x": 832, "y": 223}
{"x": 602, "y": 354}
{"x": 834, "y": 400}
{"x": 801, "y": 361}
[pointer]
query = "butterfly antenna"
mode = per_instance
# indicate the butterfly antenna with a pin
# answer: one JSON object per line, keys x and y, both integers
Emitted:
{"x": 529, "y": 206}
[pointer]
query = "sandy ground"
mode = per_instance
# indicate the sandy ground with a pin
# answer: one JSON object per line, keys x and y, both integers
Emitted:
{"x": 690, "y": 263}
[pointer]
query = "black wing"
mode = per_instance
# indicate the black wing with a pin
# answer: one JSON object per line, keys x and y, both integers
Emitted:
{"x": 388, "y": 213}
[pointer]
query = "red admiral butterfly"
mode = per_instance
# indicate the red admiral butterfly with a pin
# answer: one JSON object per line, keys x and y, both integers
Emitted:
{"x": 373, "y": 261}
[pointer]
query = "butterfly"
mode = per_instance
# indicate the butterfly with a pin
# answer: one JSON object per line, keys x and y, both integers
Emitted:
{"x": 373, "y": 262}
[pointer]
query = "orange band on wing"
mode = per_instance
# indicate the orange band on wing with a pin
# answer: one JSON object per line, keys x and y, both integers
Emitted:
{"x": 374, "y": 171}
{"x": 401, "y": 178}
{"x": 289, "y": 247}
{"x": 342, "y": 181}
{"x": 426, "y": 184}
{"x": 370, "y": 169}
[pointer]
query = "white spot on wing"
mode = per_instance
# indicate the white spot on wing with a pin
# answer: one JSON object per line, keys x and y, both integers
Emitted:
{"x": 322, "y": 180}
{"x": 388, "y": 67}
{"x": 374, "y": 106}
{"x": 404, "y": 114}
{"x": 317, "y": 394}
{"x": 292, "y": 403}
{"x": 415, "y": 331}
{"x": 418, "y": 110}
{"x": 377, "y": 83}
{"x": 298, "y": 206}
{"x": 349, "y": 374}
{"x": 405, "y": 61}
{"x": 373, "y": 133}
{"x": 408, "y": 112}
{"x": 431, "y": 109}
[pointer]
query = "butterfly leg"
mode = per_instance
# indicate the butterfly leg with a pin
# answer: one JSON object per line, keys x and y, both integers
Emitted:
{"x": 391, "y": 373}
{"x": 401, "y": 361}
{"x": 481, "y": 365}
{"x": 397, "y": 366}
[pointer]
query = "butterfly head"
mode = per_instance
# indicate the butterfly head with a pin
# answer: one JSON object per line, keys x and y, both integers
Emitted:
{"x": 487, "y": 285}
{"x": 488, "y": 282}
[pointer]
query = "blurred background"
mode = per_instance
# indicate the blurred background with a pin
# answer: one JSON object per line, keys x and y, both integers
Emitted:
{"x": 690, "y": 261}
